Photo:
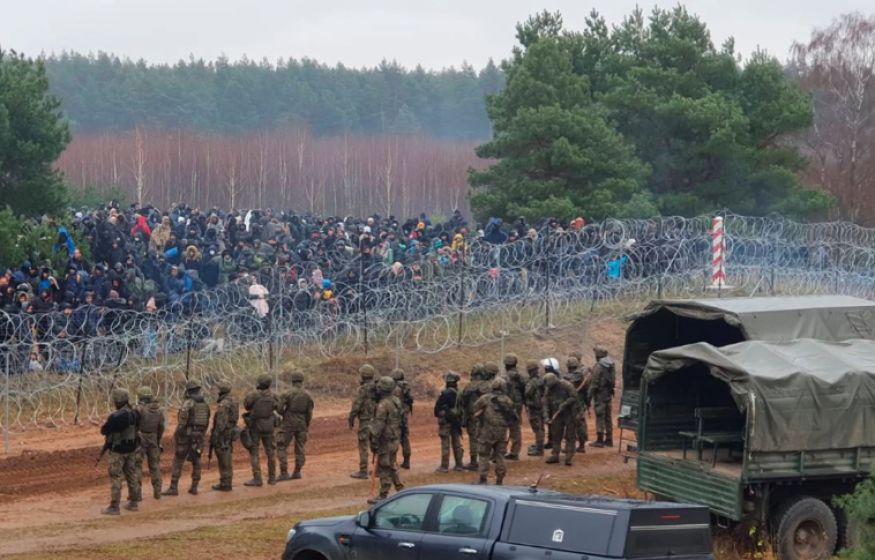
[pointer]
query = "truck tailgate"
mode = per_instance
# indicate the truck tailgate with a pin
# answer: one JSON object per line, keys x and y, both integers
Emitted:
{"x": 688, "y": 481}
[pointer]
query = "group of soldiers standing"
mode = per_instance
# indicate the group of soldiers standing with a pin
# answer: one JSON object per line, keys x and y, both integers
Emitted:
{"x": 134, "y": 433}
{"x": 489, "y": 408}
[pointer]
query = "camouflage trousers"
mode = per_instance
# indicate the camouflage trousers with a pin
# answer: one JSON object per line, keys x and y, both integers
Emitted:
{"x": 284, "y": 438}
{"x": 516, "y": 433}
{"x": 603, "y": 423}
{"x": 564, "y": 427}
{"x": 405, "y": 438}
{"x": 364, "y": 446}
{"x": 190, "y": 449}
{"x": 451, "y": 436}
{"x": 268, "y": 440}
{"x": 387, "y": 467}
{"x": 150, "y": 453}
{"x": 582, "y": 427}
{"x": 473, "y": 429}
{"x": 225, "y": 458}
{"x": 536, "y": 421}
{"x": 493, "y": 446}
{"x": 124, "y": 466}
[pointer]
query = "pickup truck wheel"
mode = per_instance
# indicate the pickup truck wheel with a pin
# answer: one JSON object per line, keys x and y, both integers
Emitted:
{"x": 806, "y": 530}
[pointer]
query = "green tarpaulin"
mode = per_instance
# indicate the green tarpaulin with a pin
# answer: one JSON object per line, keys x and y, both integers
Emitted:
{"x": 799, "y": 395}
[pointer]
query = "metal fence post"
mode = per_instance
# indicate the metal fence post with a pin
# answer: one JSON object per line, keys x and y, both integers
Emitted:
{"x": 6, "y": 409}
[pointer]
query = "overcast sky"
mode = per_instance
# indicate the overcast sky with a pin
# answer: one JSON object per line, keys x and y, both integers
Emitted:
{"x": 358, "y": 33}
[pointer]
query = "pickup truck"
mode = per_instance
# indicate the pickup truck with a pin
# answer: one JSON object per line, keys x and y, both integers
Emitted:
{"x": 455, "y": 521}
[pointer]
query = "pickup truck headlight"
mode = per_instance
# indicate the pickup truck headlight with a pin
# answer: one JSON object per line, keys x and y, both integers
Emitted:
{"x": 291, "y": 535}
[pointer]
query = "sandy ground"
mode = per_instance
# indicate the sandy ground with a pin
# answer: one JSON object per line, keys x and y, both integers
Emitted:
{"x": 51, "y": 491}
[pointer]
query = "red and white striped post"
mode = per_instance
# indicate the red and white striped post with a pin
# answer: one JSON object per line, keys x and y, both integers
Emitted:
{"x": 718, "y": 257}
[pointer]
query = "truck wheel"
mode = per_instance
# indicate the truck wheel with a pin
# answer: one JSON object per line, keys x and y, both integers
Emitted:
{"x": 806, "y": 530}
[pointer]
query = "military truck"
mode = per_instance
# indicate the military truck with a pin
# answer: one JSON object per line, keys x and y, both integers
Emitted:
{"x": 767, "y": 432}
{"x": 721, "y": 321}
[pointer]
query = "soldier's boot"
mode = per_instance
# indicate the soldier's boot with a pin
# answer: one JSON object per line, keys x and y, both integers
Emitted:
{"x": 609, "y": 441}
{"x": 284, "y": 475}
{"x": 472, "y": 466}
{"x": 131, "y": 505}
{"x": 256, "y": 482}
{"x": 271, "y": 480}
{"x": 193, "y": 489}
{"x": 512, "y": 457}
{"x": 599, "y": 441}
{"x": 535, "y": 451}
{"x": 156, "y": 491}
{"x": 499, "y": 480}
{"x": 552, "y": 459}
{"x": 297, "y": 474}
{"x": 458, "y": 468}
{"x": 222, "y": 487}
{"x": 482, "y": 479}
{"x": 442, "y": 469}
{"x": 548, "y": 445}
{"x": 568, "y": 461}
{"x": 581, "y": 447}
{"x": 112, "y": 509}
{"x": 362, "y": 475}
{"x": 406, "y": 463}
{"x": 172, "y": 490}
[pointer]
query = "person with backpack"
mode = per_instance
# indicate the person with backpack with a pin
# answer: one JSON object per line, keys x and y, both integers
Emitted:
{"x": 296, "y": 408}
{"x": 496, "y": 413}
{"x": 448, "y": 411}
{"x": 261, "y": 406}
{"x": 151, "y": 430}
{"x": 192, "y": 422}
{"x": 120, "y": 430}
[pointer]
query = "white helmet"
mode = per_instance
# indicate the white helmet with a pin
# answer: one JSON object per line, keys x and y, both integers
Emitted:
{"x": 550, "y": 364}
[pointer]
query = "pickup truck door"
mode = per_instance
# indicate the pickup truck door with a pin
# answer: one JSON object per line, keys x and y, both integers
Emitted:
{"x": 395, "y": 531}
{"x": 460, "y": 531}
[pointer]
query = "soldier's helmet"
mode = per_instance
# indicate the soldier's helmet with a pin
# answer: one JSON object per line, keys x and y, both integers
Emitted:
{"x": 386, "y": 385}
{"x": 600, "y": 351}
{"x": 263, "y": 381}
{"x": 498, "y": 385}
{"x": 451, "y": 377}
{"x": 192, "y": 386}
{"x": 477, "y": 371}
{"x": 532, "y": 366}
{"x": 367, "y": 371}
{"x": 551, "y": 379}
{"x": 297, "y": 376}
{"x": 490, "y": 369}
{"x": 398, "y": 374}
{"x": 120, "y": 396}
{"x": 577, "y": 354}
{"x": 144, "y": 394}
{"x": 550, "y": 364}
{"x": 510, "y": 360}
{"x": 572, "y": 363}
{"x": 224, "y": 387}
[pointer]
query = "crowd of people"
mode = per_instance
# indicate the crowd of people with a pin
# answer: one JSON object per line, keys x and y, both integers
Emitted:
{"x": 490, "y": 409}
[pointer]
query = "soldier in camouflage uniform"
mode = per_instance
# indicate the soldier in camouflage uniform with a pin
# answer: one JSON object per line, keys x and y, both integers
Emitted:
{"x": 561, "y": 411}
{"x": 223, "y": 435}
{"x": 449, "y": 413}
{"x": 496, "y": 414}
{"x": 475, "y": 389}
{"x": 581, "y": 385}
{"x": 193, "y": 420}
{"x": 120, "y": 430}
{"x": 363, "y": 407}
{"x": 402, "y": 391}
{"x": 384, "y": 431}
{"x": 550, "y": 365}
{"x": 151, "y": 430}
{"x": 260, "y": 417}
{"x": 516, "y": 387}
{"x": 296, "y": 408}
{"x": 602, "y": 393}
{"x": 534, "y": 396}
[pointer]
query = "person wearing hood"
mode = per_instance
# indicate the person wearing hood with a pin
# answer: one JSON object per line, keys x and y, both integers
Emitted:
{"x": 64, "y": 242}
{"x": 161, "y": 235}
{"x": 141, "y": 226}
{"x": 494, "y": 233}
{"x": 602, "y": 393}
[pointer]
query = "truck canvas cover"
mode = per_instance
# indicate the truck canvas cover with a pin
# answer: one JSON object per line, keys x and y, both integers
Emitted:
{"x": 798, "y": 395}
{"x": 777, "y": 319}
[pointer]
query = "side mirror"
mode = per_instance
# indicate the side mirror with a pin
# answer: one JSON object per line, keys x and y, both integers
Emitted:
{"x": 363, "y": 519}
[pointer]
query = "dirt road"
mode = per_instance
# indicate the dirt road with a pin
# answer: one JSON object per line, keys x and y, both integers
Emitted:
{"x": 51, "y": 499}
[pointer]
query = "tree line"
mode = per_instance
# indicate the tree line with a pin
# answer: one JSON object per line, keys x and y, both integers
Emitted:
{"x": 104, "y": 92}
